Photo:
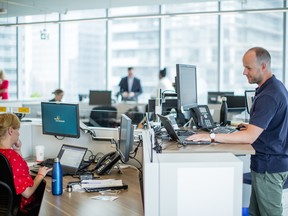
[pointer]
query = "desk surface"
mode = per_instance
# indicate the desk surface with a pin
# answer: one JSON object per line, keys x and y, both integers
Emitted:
{"x": 80, "y": 203}
{"x": 237, "y": 149}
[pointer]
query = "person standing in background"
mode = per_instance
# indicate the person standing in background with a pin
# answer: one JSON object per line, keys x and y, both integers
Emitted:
{"x": 4, "y": 84}
{"x": 164, "y": 83}
{"x": 130, "y": 86}
{"x": 59, "y": 93}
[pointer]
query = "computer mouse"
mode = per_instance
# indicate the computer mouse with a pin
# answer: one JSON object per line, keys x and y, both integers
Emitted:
{"x": 239, "y": 127}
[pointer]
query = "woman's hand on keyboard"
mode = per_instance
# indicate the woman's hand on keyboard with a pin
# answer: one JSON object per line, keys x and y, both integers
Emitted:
{"x": 44, "y": 170}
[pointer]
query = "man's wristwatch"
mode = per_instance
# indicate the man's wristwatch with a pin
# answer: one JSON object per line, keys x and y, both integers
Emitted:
{"x": 212, "y": 137}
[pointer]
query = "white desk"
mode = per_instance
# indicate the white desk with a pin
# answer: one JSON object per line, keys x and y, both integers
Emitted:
{"x": 198, "y": 182}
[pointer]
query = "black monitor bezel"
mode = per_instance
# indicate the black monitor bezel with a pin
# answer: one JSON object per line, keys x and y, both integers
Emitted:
{"x": 180, "y": 88}
{"x": 129, "y": 138}
{"x": 100, "y": 93}
{"x": 235, "y": 108}
{"x": 60, "y": 134}
{"x": 248, "y": 106}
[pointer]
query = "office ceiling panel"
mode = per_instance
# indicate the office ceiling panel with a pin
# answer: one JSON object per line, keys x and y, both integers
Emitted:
{"x": 13, "y": 8}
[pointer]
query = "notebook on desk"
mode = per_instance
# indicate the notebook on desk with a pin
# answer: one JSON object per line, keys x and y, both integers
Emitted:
{"x": 71, "y": 159}
{"x": 174, "y": 136}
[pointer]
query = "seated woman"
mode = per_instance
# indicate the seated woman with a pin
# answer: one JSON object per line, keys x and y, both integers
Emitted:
{"x": 59, "y": 93}
{"x": 10, "y": 147}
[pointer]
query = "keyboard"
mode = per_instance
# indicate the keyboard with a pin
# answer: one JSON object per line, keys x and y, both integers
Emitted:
{"x": 182, "y": 140}
{"x": 184, "y": 132}
{"x": 48, "y": 162}
{"x": 224, "y": 130}
{"x": 89, "y": 190}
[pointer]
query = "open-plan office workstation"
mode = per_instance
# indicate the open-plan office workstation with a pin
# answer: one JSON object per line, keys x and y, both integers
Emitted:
{"x": 176, "y": 169}
{"x": 60, "y": 126}
{"x": 86, "y": 49}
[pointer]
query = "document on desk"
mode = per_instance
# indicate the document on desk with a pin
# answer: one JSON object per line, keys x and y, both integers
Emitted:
{"x": 101, "y": 183}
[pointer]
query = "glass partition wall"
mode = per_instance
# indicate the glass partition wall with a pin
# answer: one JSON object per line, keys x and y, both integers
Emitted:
{"x": 68, "y": 52}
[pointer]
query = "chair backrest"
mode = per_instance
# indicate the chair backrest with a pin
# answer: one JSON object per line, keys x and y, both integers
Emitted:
{"x": 6, "y": 199}
{"x": 103, "y": 116}
{"x": 6, "y": 176}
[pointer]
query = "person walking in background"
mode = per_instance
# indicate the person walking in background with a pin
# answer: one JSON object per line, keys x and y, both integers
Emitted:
{"x": 164, "y": 83}
{"x": 59, "y": 93}
{"x": 267, "y": 132}
{"x": 130, "y": 86}
{"x": 4, "y": 84}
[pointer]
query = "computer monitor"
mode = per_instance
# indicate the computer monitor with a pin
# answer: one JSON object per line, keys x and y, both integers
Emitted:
{"x": 216, "y": 97}
{"x": 186, "y": 86}
{"x": 60, "y": 119}
{"x": 126, "y": 138}
{"x": 249, "y": 98}
{"x": 99, "y": 97}
{"x": 236, "y": 103}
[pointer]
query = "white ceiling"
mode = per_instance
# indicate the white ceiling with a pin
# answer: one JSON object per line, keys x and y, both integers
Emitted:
{"x": 33, "y": 7}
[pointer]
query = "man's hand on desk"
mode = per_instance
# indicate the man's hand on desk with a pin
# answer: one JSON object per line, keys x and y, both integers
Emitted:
{"x": 199, "y": 137}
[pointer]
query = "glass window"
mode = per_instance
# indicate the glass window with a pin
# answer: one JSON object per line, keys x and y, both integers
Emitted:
{"x": 134, "y": 43}
{"x": 241, "y": 34}
{"x": 72, "y": 15}
{"x": 128, "y": 11}
{"x": 83, "y": 58}
{"x": 8, "y": 45}
{"x": 39, "y": 18}
{"x": 191, "y": 7}
{"x": 193, "y": 40}
{"x": 255, "y": 4}
{"x": 38, "y": 60}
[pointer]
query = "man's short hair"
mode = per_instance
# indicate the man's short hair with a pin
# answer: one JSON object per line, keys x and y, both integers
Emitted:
{"x": 130, "y": 68}
{"x": 163, "y": 72}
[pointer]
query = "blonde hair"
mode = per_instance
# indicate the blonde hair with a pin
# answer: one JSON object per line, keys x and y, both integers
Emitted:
{"x": 2, "y": 74}
{"x": 8, "y": 120}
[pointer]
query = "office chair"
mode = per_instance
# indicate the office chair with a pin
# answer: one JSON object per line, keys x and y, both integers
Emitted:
{"x": 135, "y": 115}
{"x": 6, "y": 199}
{"x": 103, "y": 116}
{"x": 6, "y": 177}
{"x": 8, "y": 193}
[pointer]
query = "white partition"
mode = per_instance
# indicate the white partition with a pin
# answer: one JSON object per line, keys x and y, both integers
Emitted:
{"x": 191, "y": 183}
{"x": 31, "y": 135}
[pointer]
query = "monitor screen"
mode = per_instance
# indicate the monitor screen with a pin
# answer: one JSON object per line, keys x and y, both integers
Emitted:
{"x": 249, "y": 98}
{"x": 126, "y": 138}
{"x": 216, "y": 97}
{"x": 235, "y": 103}
{"x": 60, "y": 119}
{"x": 99, "y": 97}
{"x": 186, "y": 86}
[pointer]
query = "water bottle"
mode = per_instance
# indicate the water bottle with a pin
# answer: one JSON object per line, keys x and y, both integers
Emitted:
{"x": 57, "y": 178}
{"x": 223, "y": 112}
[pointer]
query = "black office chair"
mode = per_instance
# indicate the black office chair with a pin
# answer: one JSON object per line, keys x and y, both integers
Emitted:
{"x": 11, "y": 209}
{"x": 103, "y": 116}
{"x": 6, "y": 199}
{"x": 6, "y": 177}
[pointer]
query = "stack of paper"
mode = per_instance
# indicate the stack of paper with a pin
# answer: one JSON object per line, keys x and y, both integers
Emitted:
{"x": 101, "y": 183}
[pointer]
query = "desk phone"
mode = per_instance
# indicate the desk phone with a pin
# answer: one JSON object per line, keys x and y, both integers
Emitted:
{"x": 202, "y": 117}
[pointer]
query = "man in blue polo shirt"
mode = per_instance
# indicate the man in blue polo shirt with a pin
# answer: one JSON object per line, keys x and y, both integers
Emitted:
{"x": 267, "y": 131}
